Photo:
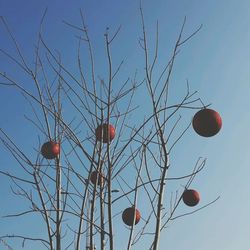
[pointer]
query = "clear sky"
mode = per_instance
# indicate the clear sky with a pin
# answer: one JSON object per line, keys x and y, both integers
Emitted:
{"x": 217, "y": 64}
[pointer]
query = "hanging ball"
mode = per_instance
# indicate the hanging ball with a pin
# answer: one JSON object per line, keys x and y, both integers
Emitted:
{"x": 105, "y": 133}
{"x": 93, "y": 178}
{"x": 130, "y": 214}
{"x": 207, "y": 122}
{"x": 191, "y": 197}
{"x": 50, "y": 150}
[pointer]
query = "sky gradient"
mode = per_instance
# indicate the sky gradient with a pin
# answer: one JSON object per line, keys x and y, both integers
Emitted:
{"x": 216, "y": 63}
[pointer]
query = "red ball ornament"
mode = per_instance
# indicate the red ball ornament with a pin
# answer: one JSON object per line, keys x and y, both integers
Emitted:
{"x": 50, "y": 150}
{"x": 93, "y": 178}
{"x": 105, "y": 133}
{"x": 130, "y": 214}
{"x": 190, "y": 197}
{"x": 207, "y": 122}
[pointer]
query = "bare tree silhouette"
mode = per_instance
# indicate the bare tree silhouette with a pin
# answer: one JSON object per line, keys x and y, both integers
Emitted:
{"x": 91, "y": 155}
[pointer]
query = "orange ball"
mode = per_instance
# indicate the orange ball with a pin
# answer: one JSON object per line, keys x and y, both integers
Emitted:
{"x": 190, "y": 197}
{"x": 93, "y": 178}
{"x": 105, "y": 133}
{"x": 50, "y": 150}
{"x": 207, "y": 122}
{"x": 130, "y": 214}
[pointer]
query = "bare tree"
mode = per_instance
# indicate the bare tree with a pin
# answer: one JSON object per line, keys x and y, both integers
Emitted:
{"x": 92, "y": 157}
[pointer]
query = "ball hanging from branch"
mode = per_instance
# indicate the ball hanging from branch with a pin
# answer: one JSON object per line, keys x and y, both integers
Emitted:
{"x": 95, "y": 176}
{"x": 207, "y": 122}
{"x": 191, "y": 197}
{"x": 105, "y": 133}
{"x": 131, "y": 215}
{"x": 50, "y": 150}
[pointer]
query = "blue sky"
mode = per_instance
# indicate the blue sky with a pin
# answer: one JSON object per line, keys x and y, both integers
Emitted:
{"x": 217, "y": 64}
